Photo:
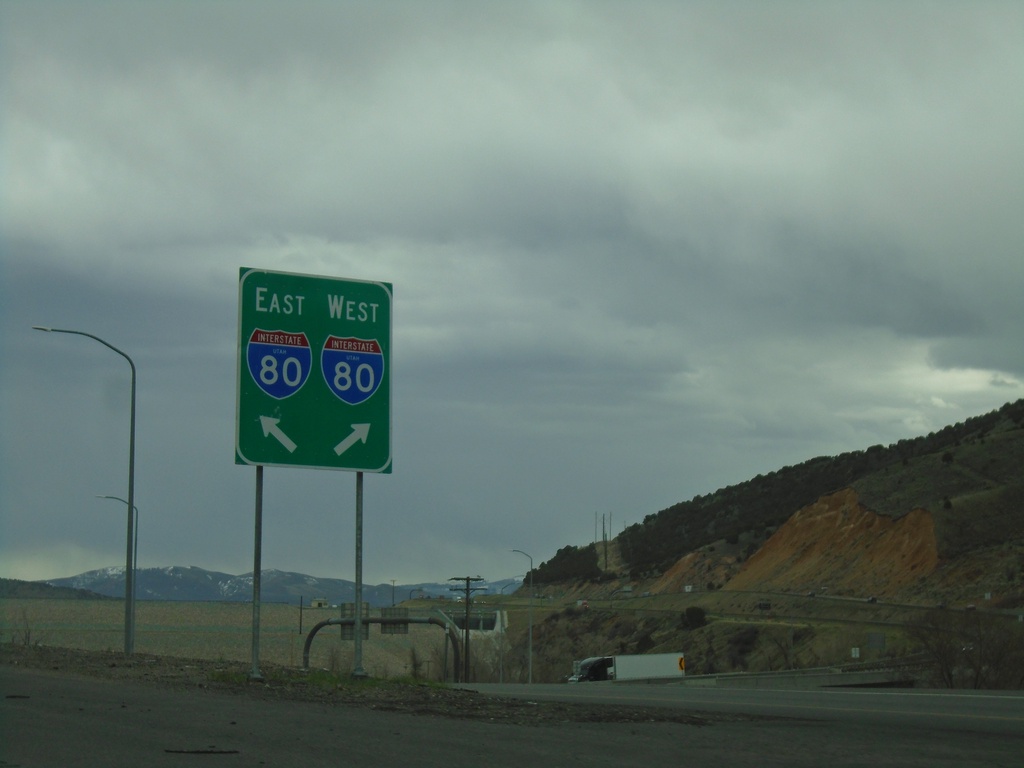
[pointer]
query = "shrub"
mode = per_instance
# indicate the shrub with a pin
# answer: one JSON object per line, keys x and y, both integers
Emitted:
{"x": 740, "y": 645}
{"x": 694, "y": 617}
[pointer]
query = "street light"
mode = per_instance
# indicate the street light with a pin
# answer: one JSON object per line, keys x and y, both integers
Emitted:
{"x": 129, "y": 584}
{"x": 510, "y": 584}
{"x": 135, "y": 553}
{"x": 529, "y": 613}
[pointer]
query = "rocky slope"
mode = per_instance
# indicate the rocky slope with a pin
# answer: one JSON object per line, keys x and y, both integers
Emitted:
{"x": 839, "y": 545}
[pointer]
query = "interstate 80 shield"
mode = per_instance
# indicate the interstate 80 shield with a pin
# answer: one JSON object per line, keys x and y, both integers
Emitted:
{"x": 353, "y": 368}
{"x": 279, "y": 362}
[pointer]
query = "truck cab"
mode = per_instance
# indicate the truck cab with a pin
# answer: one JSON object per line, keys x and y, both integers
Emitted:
{"x": 596, "y": 668}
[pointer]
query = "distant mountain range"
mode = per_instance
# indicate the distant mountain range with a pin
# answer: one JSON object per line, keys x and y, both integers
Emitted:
{"x": 196, "y": 584}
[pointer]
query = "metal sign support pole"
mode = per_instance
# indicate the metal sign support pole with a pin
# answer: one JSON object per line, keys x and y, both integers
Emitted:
{"x": 256, "y": 572}
{"x": 357, "y": 654}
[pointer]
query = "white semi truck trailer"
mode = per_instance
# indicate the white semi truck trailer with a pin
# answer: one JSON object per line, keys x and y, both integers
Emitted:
{"x": 649, "y": 666}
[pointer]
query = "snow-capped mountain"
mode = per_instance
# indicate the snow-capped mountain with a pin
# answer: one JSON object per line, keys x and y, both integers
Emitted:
{"x": 192, "y": 583}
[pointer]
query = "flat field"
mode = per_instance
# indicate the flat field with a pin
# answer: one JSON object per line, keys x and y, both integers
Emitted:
{"x": 215, "y": 631}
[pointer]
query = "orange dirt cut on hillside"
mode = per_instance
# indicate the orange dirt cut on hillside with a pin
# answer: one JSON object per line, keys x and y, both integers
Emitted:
{"x": 839, "y": 545}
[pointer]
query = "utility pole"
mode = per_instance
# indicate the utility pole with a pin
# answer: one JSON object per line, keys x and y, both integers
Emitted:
{"x": 604, "y": 541}
{"x": 468, "y": 590}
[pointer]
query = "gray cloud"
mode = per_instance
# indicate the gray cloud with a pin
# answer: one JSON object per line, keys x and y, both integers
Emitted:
{"x": 639, "y": 252}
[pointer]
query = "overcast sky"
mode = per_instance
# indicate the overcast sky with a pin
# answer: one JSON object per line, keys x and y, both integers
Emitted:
{"x": 640, "y": 251}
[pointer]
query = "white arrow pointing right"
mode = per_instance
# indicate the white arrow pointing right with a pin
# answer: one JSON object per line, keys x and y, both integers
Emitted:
{"x": 359, "y": 434}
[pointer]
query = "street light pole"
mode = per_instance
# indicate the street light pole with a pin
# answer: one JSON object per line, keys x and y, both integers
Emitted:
{"x": 510, "y": 584}
{"x": 529, "y": 612}
{"x": 129, "y": 583}
{"x": 135, "y": 553}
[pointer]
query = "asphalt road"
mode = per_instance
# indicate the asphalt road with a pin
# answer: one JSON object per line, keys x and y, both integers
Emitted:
{"x": 53, "y": 719}
{"x": 999, "y": 713}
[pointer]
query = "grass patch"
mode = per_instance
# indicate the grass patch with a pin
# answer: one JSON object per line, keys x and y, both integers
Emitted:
{"x": 327, "y": 680}
{"x": 229, "y": 676}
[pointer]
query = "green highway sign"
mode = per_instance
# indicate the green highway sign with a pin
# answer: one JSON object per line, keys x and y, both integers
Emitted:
{"x": 314, "y": 372}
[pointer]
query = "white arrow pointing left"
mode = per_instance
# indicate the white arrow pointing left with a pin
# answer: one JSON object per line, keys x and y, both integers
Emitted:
{"x": 359, "y": 434}
{"x": 270, "y": 428}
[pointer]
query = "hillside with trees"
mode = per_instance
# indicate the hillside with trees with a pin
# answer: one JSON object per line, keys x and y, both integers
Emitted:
{"x": 924, "y": 537}
{"x": 969, "y": 475}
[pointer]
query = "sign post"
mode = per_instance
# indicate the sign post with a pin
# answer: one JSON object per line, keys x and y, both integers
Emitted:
{"x": 313, "y": 387}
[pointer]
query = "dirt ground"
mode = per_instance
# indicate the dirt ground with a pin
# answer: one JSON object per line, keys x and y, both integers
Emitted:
{"x": 163, "y": 711}
{"x": 288, "y": 684}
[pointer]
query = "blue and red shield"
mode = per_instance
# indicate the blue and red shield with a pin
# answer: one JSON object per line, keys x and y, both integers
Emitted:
{"x": 279, "y": 362}
{"x": 353, "y": 368}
